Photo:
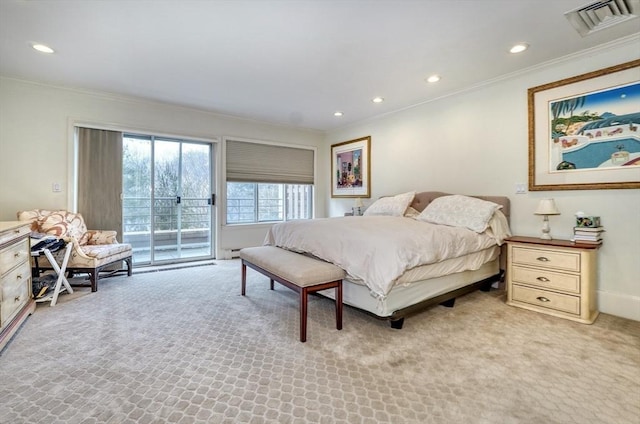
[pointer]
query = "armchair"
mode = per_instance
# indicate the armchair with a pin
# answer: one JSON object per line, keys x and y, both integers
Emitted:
{"x": 92, "y": 250}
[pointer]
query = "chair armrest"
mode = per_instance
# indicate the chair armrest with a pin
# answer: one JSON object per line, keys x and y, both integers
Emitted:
{"x": 102, "y": 237}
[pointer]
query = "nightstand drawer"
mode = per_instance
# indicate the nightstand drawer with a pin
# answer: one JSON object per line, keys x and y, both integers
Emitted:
{"x": 558, "y": 260}
{"x": 545, "y": 299}
{"x": 546, "y": 279}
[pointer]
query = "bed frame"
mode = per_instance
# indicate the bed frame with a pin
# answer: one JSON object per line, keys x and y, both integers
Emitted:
{"x": 396, "y": 318}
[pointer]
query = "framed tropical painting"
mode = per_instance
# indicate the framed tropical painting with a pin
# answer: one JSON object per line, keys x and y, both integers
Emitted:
{"x": 584, "y": 131}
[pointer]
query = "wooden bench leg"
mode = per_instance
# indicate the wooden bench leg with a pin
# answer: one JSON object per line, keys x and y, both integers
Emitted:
{"x": 244, "y": 278}
{"x": 303, "y": 314}
{"x": 339, "y": 306}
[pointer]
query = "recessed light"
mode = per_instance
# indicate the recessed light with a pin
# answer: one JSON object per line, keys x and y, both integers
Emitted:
{"x": 338, "y": 113}
{"x": 42, "y": 48}
{"x": 377, "y": 99}
{"x": 519, "y": 48}
{"x": 433, "y": 78}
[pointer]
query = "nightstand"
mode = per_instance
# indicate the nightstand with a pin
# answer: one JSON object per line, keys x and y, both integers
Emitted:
{"x": 555, "y": 277}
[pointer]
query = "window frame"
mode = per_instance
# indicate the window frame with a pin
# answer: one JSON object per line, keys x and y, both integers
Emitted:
{"x": 223, "y": 216}
{"x": 256, "y": 203}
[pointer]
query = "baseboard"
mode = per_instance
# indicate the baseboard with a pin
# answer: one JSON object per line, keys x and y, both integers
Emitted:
{"x": 620, "y": 305}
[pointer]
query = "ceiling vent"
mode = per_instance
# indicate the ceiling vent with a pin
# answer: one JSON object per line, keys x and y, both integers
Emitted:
{"x": 602, "y": 14}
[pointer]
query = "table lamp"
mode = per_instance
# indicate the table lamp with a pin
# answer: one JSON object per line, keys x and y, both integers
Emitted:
{"x": 546, "y": 207}
{"x": 357, "y": 207}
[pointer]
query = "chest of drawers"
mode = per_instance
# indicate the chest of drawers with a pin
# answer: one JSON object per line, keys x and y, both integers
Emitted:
{"x": 555, "y": 277}
{"x": 16, "y": 302}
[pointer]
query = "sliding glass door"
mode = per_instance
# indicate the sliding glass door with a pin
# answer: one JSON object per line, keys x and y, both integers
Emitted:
{"x": 167, "y": 199}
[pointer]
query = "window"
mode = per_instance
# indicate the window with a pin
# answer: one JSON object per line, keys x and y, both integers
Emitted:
{"x": 267, "y": 202}
{"x": 268, "y": 182}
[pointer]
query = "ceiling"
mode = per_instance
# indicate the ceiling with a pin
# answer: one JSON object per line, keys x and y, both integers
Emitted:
{"x": 291, "y": 62}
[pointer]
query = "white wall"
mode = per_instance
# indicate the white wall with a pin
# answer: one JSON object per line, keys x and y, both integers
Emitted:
{"x": 36, "y": 143}
{"x": 477, "y": 143}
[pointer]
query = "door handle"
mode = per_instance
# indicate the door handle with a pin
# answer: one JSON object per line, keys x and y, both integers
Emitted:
{"x": 178, "y": 199}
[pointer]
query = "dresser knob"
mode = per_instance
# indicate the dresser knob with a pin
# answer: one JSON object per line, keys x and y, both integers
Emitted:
{"x": 17, "y": 299}
{"x": 543, "y": 259}
{"x": 543, "y": 279}
{"x": 543, "y": 299}
{"x": 16, "y": 255}
{"x": 19, "y": 277}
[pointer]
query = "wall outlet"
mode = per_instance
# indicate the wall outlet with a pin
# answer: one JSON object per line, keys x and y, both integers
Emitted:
{"x": 55, "y": 187}
{"x": 521, "y": 188}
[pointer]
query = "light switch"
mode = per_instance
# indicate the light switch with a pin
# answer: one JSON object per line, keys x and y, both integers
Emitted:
{"x": 55, "y": 187}
{"x": 521, "y": 188}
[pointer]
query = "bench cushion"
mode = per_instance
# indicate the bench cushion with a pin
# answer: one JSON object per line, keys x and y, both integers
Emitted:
{"x": 296, "y": 268}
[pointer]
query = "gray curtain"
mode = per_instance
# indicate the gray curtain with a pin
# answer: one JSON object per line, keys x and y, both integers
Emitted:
{"x": 100, "y": 179}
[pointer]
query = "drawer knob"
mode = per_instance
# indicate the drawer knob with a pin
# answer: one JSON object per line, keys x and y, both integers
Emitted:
{"x": 543, "y": 299}
{"x": 17, "y": 299}
{"x": 542, "y": 259}
{"x": 16, "y": 255}
{"x": 19, "y": 277}
{"x": 543, "y": 279}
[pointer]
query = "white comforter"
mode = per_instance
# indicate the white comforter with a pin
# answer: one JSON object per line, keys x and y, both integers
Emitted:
{"x": 377, "y": 249}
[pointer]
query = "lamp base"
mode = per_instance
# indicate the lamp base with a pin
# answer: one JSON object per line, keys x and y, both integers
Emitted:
{"x": 546, "y": 230}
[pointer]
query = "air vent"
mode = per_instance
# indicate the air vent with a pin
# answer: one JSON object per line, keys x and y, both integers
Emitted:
{"x": 602, "y": 14}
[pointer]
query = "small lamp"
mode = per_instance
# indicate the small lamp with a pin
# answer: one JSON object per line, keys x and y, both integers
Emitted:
{"x": 357, "y": 207}
{"x": 546, "y": 207}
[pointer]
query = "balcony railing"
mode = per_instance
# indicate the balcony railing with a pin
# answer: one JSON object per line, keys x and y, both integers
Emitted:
{"x": 192, "y": 216}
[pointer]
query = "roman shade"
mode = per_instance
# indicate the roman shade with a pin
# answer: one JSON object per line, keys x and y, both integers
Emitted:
{"x": 267, "y": 163}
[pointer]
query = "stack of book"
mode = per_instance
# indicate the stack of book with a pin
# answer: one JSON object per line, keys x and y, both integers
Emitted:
{"x": 588, "y": 235}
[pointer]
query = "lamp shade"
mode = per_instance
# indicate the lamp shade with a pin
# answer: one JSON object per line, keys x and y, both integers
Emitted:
{"x": 547, "y": 207}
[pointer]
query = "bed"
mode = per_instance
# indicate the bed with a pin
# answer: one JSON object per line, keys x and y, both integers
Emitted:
{"x": 409, "y": 251}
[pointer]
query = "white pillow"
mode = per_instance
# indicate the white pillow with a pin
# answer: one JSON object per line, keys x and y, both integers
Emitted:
{"x": 460, "y": 211}
{"x": 411, "y": 213}
{"x": 498, "y": 227}
{"x": 392, "y": 206}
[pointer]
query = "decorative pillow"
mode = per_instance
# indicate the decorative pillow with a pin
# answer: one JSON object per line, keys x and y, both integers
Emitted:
{"x": 392, "y": 206}
{"x": 411, "y": 213}
{"x": 498, "y": 227}
{"x": 460, "y": 211}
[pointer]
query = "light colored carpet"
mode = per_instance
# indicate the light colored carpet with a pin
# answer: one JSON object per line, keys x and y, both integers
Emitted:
{"x": 182, "y": 346}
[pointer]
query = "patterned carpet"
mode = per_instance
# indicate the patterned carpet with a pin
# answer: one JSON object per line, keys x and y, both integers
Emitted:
{"x": 182, "y": 346}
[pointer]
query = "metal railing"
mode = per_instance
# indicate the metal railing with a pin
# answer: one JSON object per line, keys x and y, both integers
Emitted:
{"x": 192, "y": 216}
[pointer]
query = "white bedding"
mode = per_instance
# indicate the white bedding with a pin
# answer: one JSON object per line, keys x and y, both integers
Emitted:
{"x": 377, "y": 250}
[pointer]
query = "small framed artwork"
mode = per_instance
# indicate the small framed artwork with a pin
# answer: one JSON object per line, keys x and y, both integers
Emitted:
{"x": 584, "y": 131}
{"x": 351, "y": 168}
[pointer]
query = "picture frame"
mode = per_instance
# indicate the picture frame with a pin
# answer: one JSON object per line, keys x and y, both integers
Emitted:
{"x": 584, "y": 131}
{"x": 351, "y": 168}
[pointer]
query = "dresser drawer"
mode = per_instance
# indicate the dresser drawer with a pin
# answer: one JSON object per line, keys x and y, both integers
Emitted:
{"x": 546, "y": 299}
{"x": 13, "y": 255}
{"x": 553, "y": 259}
{"x": 8, "y": 235}
{"x": 15, "y": 292}
{"x": 546, "y": 279}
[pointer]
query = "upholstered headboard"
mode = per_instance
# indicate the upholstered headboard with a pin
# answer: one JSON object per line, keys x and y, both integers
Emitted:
{"x": 423, "y": 199}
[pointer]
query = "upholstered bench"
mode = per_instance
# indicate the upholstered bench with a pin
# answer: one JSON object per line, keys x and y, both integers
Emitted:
{"x": 300, "y": 273}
